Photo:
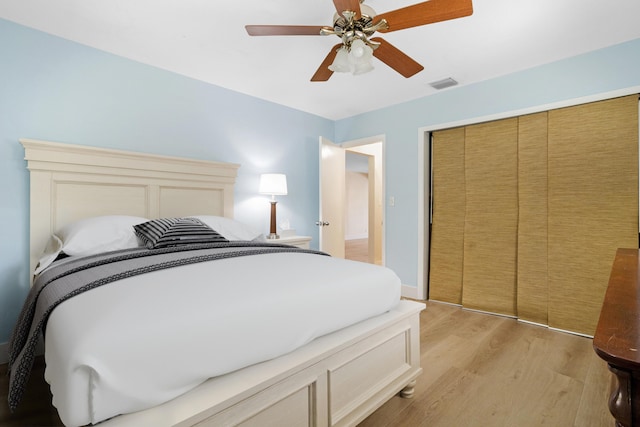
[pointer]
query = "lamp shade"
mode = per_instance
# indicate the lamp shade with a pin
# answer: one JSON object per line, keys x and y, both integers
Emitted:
{"x": 355, "y": 57}
{"x": 341, "y": 62}
{"x": 274, "y": 184}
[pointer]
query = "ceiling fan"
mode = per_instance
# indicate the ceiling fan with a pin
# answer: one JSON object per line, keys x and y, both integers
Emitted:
{"x": 355, "y": 24}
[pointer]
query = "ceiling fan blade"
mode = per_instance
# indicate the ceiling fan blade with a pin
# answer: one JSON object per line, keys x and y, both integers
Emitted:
{"x": 395, "y": 58}
{"x": 424, "y": 13}
{"x": 323, "y": 73}
{"x": 284, "y": 30}
{"x": 352, "y": 5}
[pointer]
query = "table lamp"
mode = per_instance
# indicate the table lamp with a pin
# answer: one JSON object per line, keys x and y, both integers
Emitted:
{"x": 273, "y": 184}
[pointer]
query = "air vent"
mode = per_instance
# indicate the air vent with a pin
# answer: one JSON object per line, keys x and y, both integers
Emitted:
{"x": 444, "y": 83}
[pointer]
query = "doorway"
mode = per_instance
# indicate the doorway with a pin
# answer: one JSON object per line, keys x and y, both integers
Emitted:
{"x": 357, "y": 202}
{"x": 366, "y": 168}
{"x": 370, "y": 159}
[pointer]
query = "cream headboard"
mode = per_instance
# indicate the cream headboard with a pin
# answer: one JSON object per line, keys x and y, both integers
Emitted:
{"x": 71, "y": 182}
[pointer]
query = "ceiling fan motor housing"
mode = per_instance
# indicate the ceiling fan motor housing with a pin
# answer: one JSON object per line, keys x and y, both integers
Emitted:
{"x": 350, "y": 29}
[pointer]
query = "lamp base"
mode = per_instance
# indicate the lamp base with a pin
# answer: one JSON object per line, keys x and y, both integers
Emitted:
{"x": 272, "y": 229}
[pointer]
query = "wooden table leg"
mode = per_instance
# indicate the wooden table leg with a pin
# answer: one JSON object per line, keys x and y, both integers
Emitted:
{"x": 620, "y": 400}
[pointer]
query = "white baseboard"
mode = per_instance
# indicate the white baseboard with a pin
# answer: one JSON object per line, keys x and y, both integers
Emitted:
{"x": 409, "y": 292}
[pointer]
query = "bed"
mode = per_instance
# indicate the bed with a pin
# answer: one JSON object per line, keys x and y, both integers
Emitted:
{"x": 361, "y": 349}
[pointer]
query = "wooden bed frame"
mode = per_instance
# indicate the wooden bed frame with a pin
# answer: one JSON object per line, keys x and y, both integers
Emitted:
{"x": 336, "y": 380}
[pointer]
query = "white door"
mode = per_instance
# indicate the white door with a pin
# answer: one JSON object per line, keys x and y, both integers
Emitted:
{"x": 332, "y": 198}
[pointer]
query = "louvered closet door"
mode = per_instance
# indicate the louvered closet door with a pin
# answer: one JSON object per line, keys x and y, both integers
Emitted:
{"x": 491, "y": 217}
{"x": 593, "y": 205}
{"x": 533, "y": 292}
{"x": 447, "y": 233}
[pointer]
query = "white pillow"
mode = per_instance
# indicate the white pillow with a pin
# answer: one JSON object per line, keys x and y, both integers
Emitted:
{"x": 92, "y": 236}
{"x": 230, "y": 228}
{"x": 51, "y": 252}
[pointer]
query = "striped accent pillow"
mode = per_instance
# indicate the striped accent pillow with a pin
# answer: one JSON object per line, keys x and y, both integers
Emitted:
{"x": 163, "y": 232}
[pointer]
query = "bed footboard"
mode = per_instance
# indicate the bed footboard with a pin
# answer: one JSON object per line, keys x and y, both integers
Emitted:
{"x": 336, "y": 380}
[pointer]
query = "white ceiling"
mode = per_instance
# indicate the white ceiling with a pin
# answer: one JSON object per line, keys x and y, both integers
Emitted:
{"x": 206, "y": 40}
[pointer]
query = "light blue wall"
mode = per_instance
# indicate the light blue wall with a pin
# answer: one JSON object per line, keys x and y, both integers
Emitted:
{"x": 56, "y": 90}
{"x": 600, "y": 71}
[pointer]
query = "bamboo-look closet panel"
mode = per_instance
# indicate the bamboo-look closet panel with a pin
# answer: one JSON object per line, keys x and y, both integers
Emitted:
{"x": 572, "y": 175}
{"x": 593, "y": 205}
{"x": 491, "y": 217}
{"x": 533, "y": 292}
{"x": 447, "y": 232}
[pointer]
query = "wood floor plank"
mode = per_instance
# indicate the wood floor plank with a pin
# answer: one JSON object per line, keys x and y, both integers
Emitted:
{"x": 593, "y": 408}
{"x": 357, "y": 250}
{"x": 485, "y": 371}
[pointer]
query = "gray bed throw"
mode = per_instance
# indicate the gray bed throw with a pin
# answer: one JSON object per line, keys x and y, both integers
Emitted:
{"x": 72, "y": 276}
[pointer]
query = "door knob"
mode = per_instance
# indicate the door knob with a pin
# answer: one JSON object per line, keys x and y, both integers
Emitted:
{"x": 322, "y": 223}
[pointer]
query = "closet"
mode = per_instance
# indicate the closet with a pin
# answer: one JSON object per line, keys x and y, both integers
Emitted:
{"x": 528, "y": 212}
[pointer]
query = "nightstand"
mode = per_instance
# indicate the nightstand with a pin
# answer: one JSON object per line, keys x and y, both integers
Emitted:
{"x": 300, "y": 241}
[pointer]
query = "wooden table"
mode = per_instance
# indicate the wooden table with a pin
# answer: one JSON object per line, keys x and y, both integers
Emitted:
{"x": 617, "y": 338}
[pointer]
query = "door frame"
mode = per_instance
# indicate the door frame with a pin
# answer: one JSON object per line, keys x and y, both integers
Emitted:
{"x": 424, "y": 212}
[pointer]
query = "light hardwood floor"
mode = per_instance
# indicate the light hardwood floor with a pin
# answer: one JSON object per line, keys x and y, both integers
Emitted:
{"x": 484, "y": 370}
{"x": 357, "y": 250}
{"x": 479, "y": 370}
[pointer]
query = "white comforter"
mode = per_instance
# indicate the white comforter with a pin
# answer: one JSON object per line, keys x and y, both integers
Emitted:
{"x": 116, "y": 350}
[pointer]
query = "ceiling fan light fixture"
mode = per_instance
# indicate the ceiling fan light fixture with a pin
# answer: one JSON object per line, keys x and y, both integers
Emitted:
{"x": 362, "y": 68}
{"x": 354, "y": 56}
{"x": 360, "y": 57}
{"x": 341, "y": 62}
{"x": 357, "y": 50}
